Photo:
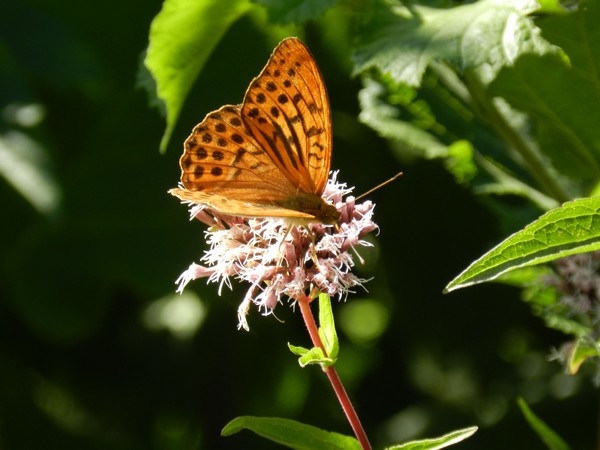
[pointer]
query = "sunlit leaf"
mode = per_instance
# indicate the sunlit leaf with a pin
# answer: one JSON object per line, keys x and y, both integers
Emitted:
{"x": 292, "y": 434}
{"x": 436, "y": 443}
{"x": 570, "y": 229}
{"x": 327, "y": 327}
{"x": 182, "y": 37}
{"x": 313, "y": 355}
{"x": 580, "y": 353}
{"x": 493, "y": 33}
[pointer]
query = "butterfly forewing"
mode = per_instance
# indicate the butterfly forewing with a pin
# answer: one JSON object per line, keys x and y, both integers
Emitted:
{"x": 287, "y": 111}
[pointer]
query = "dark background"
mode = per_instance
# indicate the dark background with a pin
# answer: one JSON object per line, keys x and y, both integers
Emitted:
{"x": 81, "y": 368}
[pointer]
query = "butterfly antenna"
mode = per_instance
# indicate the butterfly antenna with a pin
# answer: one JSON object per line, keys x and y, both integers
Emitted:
{"x": 379, "y": 186}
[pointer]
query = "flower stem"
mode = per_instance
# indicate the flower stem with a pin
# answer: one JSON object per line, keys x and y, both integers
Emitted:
{"x": 334, "y": 379}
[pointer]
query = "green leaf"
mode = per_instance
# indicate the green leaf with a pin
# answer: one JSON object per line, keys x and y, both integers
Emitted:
{"x": 292, "y": 434}
{"x": 384, "y": 118}
{"x": 295, "y": 11}
{"x": 314, "y": 355}
{"x": 437, "y": 443}
{"x": 562, "y": 99}
{"x": 571, "y": 326}
{"x": 552, "y": 440}
{"x": 182, "y": 36}
{"x": 328, "y": 336}
{"x": 505, "y": 182}
{"x": 570, "y": 229}
{"x": 327, "y": 327}
{"x": 565, "y": 120}
{"x": 488, "y": 32}
{"x": 580, "y": 353}
{"x": 297, "y": 350}
{"x": 551, "y": 6}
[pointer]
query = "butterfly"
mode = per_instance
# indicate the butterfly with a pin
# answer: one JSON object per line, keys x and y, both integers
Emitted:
{"x": 269, "y": 156}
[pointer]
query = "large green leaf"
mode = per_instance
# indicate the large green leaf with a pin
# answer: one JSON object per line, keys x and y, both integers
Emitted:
{"x": 182, "y": 36}
{"x": 572, "y": 228}
{"x": 489, "y": 32}
{"x": 563, "y": 99}
{"x": 292, "y": 434}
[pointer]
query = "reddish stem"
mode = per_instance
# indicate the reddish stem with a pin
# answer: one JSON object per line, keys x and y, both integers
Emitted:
{"x": 334, "y": 379}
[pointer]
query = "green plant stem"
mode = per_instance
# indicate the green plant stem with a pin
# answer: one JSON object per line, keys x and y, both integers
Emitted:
{"x": 334, "y": 379}
{"x": 537, "y": 167}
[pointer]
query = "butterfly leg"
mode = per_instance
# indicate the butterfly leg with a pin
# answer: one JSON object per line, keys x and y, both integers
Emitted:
{"x": 280, "y": 251}
{"x": 313, "y": 251}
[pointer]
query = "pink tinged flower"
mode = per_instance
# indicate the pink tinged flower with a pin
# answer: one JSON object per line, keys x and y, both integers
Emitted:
{"x": 193, "y": 272}
{"x": 282, "y": 262}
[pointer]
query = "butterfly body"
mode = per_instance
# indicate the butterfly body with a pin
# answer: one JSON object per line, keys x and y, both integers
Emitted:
{"x": 269, "y": 156}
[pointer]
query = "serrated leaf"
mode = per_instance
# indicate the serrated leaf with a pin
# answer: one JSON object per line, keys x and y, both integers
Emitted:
{"x": 182, "y": 36}
{"x": 292, "y": 434}
{"x": 295, "y": 11}
{"x": 570, "y": 229}
{"x": 488, "y": 32}
{"x": 437, "y": 443}
{"x": 552, "y": 440}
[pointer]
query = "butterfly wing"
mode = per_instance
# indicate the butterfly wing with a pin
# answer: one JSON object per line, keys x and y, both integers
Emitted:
{"x": 222, "y": 158}
{"x": 287, "y": 111}
{"x": 269, "y": 157}
{"x": 233, "y": 207}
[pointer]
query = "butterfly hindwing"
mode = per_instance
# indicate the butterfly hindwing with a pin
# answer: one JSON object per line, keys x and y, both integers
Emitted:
{"x": 221, "y": 157}
{"x": 227, "y": 205}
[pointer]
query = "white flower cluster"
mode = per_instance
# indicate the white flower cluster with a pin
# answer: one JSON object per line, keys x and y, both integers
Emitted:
{"x": 283, "y": 260}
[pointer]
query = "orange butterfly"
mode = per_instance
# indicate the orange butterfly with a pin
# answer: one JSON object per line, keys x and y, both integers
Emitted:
{"x": 269, "y": 156}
